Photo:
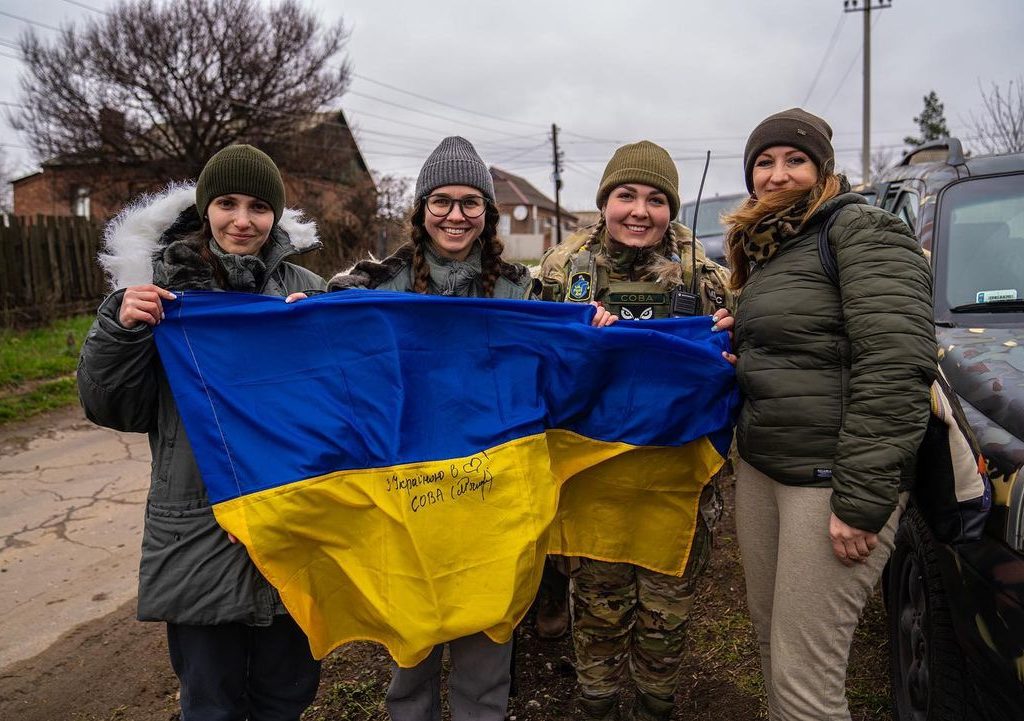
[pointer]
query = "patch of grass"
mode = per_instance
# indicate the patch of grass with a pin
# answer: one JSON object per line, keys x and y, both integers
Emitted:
{"x": 37, "y": 367}
{"x": 348, "y": 700}
{"x": 44, "y": 397}
{"x": 41, "y": 353}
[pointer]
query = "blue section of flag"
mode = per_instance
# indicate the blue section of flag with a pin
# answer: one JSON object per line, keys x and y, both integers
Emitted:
{"x": 273, "y": 393}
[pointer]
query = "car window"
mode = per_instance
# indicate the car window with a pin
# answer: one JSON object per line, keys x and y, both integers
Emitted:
{"x": 981, "y": 234}
{"x": 710, "y": 214}
{"x": 906, "y": 208}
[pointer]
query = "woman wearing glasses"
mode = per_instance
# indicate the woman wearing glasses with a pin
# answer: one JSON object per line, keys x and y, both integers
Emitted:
{"x": 454, "y": 250}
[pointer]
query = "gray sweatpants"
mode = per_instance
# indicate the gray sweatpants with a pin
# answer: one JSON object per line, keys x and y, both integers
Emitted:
{"x": 478, "y": 684}
{"x": 804, "y": 603}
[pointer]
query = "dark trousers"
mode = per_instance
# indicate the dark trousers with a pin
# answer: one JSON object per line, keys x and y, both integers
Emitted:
{"x": 234, "y": 672}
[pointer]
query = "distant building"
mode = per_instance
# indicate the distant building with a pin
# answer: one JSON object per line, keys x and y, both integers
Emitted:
{"x": 527, "y": 224}
{"x": 324, "y": 173}
{"x": 586, "y": 217}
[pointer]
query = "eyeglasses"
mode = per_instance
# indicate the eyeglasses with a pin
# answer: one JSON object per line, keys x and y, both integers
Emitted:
{"x": 472, "y": 206}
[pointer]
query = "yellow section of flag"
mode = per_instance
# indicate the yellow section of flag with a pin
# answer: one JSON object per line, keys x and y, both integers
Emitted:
{"x": 418, "y": 554}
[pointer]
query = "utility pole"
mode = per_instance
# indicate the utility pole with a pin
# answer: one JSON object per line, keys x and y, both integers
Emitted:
{"x": 866, "y": 6}
{"x": 557, "y": 175}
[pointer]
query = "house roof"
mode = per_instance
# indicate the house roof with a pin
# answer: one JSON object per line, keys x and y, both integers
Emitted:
{"x": 510, "y": 189}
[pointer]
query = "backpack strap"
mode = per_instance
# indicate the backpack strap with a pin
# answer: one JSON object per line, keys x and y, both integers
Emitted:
{"x": 827, "y": 251}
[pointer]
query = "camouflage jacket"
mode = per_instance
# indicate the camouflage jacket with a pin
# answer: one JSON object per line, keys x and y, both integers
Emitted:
{"x": 556, "y": 269}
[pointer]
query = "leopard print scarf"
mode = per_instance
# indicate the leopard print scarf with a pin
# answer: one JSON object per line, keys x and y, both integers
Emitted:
{"x": 761, "y": 241}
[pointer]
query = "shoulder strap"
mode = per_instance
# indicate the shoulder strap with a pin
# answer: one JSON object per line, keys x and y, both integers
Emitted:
{"x": 826, "y": 251}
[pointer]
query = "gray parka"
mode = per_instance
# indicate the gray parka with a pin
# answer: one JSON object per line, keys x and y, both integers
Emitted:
{"x": 189, "y": 573}
{"x": 835, "y": 380}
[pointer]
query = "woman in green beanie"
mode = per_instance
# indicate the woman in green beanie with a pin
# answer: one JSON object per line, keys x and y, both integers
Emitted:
{"x": 835, "y": 379}
{"x": 236, "y": 651}
{"x": 629, "y": 623}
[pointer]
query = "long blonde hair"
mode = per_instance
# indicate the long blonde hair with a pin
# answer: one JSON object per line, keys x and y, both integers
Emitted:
{"x": 742, "y": 220}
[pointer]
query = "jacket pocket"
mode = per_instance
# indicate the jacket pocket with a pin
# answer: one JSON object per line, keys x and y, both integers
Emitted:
{"x": 191, "y": 573}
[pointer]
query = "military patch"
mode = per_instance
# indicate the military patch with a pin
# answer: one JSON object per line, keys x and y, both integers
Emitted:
{"x": 638, "y": 297}
{"x": 580, "y": 287}
{"x": 636, "y": 312}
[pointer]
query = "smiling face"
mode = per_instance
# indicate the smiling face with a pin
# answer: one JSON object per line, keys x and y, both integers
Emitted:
{"x": 240, "y": 223}
{"x": 636, "y": 215}
{"x": 782, "y": 167}
{"x": 452, "y": 236}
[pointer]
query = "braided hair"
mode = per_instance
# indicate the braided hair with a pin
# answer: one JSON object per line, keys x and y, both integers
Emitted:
{"x": 491, "y": 249}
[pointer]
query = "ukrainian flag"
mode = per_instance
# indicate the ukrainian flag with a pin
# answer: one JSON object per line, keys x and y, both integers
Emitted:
{"x": 398, "y": 465}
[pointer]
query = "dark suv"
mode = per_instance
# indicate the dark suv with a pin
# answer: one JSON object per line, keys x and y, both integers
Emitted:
{"x": 956, "y": 613}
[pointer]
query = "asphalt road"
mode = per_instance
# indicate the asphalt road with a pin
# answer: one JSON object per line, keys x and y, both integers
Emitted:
{"x": 72, "y": 497}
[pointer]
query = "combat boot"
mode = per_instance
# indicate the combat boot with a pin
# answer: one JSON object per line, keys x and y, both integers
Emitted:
{"x": 647, "y": 707}
{"x": 603, "y": 708}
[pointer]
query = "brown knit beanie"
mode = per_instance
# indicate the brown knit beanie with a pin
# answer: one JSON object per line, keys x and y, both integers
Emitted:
{"x": 796, "y": 128}
{"x": 644, "y": 163}
{"x": 241, "y": 169}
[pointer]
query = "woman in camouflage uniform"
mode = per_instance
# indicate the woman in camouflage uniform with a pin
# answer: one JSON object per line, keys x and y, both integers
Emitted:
{"x": 639, "y": 265}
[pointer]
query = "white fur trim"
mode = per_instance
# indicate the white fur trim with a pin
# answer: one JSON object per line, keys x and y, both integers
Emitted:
{"x": 131, "y": 239}
{"x": 301, "y": 232}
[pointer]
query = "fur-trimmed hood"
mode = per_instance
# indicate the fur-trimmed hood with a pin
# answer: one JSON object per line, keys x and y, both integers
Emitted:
{"x": 140, "y": 232}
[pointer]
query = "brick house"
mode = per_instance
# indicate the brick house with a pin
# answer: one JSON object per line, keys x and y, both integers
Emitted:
{"x": 323, "y": 170}
{"x": 527, "y": 224}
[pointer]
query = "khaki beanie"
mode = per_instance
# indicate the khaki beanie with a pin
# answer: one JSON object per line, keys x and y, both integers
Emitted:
{"x": 241, "y": 169}
{"x": 796, "y": 128}
{"x": 644, "y": 163}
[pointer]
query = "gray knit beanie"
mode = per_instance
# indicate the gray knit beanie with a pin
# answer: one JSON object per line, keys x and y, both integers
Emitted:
{"x": 645, "y": 163}
{"x": 455, "y": 162}
{"x": 796, "y": 128}
{"x": 241, "y": 169}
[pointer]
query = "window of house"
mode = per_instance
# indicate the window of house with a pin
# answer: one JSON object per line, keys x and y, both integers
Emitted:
{"x": 504, "y": 224}
{"x": 80, "y": 202}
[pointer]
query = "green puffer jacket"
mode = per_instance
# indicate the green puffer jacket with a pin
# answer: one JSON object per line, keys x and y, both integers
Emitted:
{"x": 447, "y": 277}
{"x": 835, "y": 381}
{"x": 189, "y": 572}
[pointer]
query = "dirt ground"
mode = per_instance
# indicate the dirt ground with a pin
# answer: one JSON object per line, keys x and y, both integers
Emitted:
{"x": 116, "y": 668}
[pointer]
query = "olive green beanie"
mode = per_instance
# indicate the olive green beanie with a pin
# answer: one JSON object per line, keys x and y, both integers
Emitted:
{"x": 644, "y": 163}
{"x": 241, "y": 169}
{"x": 795, "y": 128}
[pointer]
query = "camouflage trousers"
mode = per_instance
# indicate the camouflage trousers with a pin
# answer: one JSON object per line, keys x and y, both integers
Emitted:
{"x": 628, "y": 619}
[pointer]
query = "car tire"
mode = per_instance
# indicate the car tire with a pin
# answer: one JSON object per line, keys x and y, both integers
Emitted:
{"x": 926, "y": 666}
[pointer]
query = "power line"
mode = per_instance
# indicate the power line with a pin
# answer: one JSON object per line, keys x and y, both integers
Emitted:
{"x": 88, "y": 7}
{"x": 429, "y": 114}
{"x": 853, "y": 62}
{"x": 447, "y": 105}
{"x": 30, "y": 22}
{"x": 828, "y": 51}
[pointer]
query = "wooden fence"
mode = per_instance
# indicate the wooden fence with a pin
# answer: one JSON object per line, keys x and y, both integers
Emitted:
{"x": 48, "y": 266}
{"x": 48, "y": 269}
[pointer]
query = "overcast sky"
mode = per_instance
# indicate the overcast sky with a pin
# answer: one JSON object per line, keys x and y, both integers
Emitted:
{"x": 691, "y": 75}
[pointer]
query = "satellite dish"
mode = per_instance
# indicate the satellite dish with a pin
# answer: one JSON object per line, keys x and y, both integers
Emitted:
{"x": 520, "y": 212}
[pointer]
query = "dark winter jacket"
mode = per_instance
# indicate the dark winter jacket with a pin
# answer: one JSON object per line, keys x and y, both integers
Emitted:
{"x": 835, "y": 380}
{"x": 189, "y": 573}
{"x": 448, "y": 277}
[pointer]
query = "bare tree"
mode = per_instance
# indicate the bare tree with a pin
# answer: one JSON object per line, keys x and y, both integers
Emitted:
{"x": 175, "y": 81}
{"x": 1000, "y": 128}
{"x": 881, "y": 159}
